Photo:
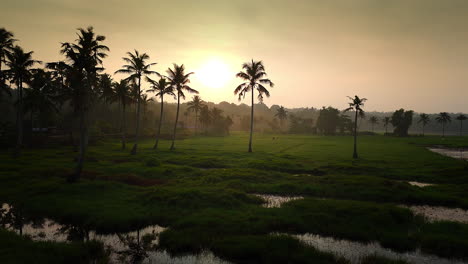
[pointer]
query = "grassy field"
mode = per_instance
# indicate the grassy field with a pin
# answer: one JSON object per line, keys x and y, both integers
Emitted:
{"x": 202, "y": 192}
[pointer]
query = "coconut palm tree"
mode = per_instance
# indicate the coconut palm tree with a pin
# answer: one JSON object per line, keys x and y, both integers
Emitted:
{"x": 386, "y": 122}
{"x": 356, "y": 105}
{"x": 160, "y": 88}
{"x": 373, "y": 120}
{"x": 254, "y": 76}
{"x": 137, "y": 67}
{"x": 85, "y": 57}
{"x": 282, "y": 114}
{"x": 179, "y": 81}
{"x": 195, "y": 106}
{"x": 443, "y": 118}
{"x": 6, "y": 46}
{"x": 424, "y": 120}
{"x": 105, "y": 87}
{"x": 461, "y": 118}
{"x": 20, "y": 64}
{"x": 122, "y": 95}
{"x": 205, "y": 117}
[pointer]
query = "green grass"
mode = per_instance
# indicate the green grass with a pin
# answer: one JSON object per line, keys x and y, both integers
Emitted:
{"x": 202, "y": 192}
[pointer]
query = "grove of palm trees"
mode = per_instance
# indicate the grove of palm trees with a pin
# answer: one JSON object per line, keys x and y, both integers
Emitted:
{"x": 215, "y": 182}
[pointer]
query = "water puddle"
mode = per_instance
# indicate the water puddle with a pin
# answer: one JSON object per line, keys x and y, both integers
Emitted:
{"x": 439, "y": 213}
{"x": 456, "y": 153}
{"x": 275, "y": 201}
{"x": 355, "y": 252}
{"x": 136, "y": 247}
{"x": 420, "y": 184}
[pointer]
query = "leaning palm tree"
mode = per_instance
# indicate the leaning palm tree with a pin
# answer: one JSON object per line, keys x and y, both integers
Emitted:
{"x": 443, "y": 118}
{"x": 254, "y": 76}
{"x": 386, "y": 122}
{"x": 195, "y": 106}
{"x": 6, "y": 46}
{"x": 179, "y": 81}
{"x": 85, "y": 57}
{"x": 282, "y": 114}
{"x": 356, "y": 105}
{"x": 373, "y": 120}
{"x": 461, "y": 118}
{"x": 122, "y": 95}
{"x": 160, "y": 88}
{"x": 424, "y": 120}
{"x": 20, "y": 64}
{"x": 137, "y": 67}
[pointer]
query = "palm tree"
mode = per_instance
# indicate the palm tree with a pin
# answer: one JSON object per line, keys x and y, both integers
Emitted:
{"x": 282, "y": 114}
{"x": 356, "y": 105}
{"x": 195, "y": 106}
{"x": 424, "y": 120}
{"x": 373, "y": 120}
{"x": 6, "y": 46}
{"x": 85, "y": 57}
{"x": 160, "y": 88}
{"x": 443, "y": 118}
{"x": 386, "y": 122}
{"x": 105, "y": 87}
{"x": 179, "y": 81}
{"x": 205, "y": 117}
{"x": 122, "y": 94}
{"x": 20, "y": 64}
{"x": 137, "y": 67}
{"x": 461, "y": 118}
{"x": 254, "y": 76}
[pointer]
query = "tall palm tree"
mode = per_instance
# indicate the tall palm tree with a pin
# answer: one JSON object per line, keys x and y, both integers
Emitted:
{"x": 254, "y": 76}
{"x": 105, "y": 87}
{"x": 160, "y": 88}
{"x": 282, "y": 114}
{"x": 6, "y": 46}
{"x": 443, "y": 118}
{"x": 20, "y": 64}
{"x": 373, "y": 120}
{"x": 137, "y": 67}
{"x": 195, "y": 106}
{"x": 461, "y": 118}
{"x": 179, "y": 81}
{"x": 424, "y": 120}
{"x": 144, "y": 102}
{"x": 386, "y": 122}
{"x": 122, "y": 94}
{"x": 205, "y": 117}
{"x": 356, "y": 105}
{"x": 85, "y": 57}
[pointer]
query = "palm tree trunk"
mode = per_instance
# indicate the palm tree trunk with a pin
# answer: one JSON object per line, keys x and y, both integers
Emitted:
{"x": 423, "y": 129}
{"x": 135, "y": 146}
{"x": 355, "y": 155}
{"x": 160, "y": 123}
{"x": 176, "y": 120}
{"x": 196, "y": 121}
{"x": 124, "y": 127}
{"x": 251, "y": 120}
{"x": 443, "y": 130}
{"x": 83, "y": 144}
{"x": 19, "y": 119}
{"x": 461, "y": 127}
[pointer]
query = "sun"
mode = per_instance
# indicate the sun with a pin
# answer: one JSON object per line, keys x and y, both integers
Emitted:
{"x": 214, "y": 73}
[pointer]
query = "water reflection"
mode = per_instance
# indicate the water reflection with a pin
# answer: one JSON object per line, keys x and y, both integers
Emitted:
{"x": 275, "y": 201}
{"x": 439, "y": 213}
{"x": 457, "y": 153}
{"x": 420, "y": 184}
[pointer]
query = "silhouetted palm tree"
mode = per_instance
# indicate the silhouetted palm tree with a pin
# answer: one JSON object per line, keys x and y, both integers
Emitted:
{"x": 160, "y": 88}
{"x": 282, "y": 114}
{"x": 20, "y": 64}
{"x": 424, "y": 120}
{"x": 356, "y": 105}
{"x": 105, "y": 87}
{"x": 386, "y": 122}
{"x": 85, "y": 57}
{"x": 254, "y": 74}
{"x": 373, "y": 120}
{"x": 443, "y": 118}
{"x": 461, "y": 118}
{"x": 6, "y": 46}
{"x": 195, "y": 106}
{"x": 205, "y": 117}
{"x": 179, "y": 81}
{"x": 137, "y": 67}
{"x": 122, "y": 94}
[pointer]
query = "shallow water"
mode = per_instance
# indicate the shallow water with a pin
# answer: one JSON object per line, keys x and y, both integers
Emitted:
{"x": 420, "y": 184}
{"x": 275, "y": 201}
{"x": 439, "y": 213}
{"x": 356, "y": 251}
{"x": 456, "y": 153}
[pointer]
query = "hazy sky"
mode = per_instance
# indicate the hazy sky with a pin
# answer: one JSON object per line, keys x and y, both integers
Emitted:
{"x": 396, "y": 53}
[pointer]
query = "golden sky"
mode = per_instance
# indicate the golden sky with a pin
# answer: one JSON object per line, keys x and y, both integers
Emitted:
{"x": 397, "y": 53}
